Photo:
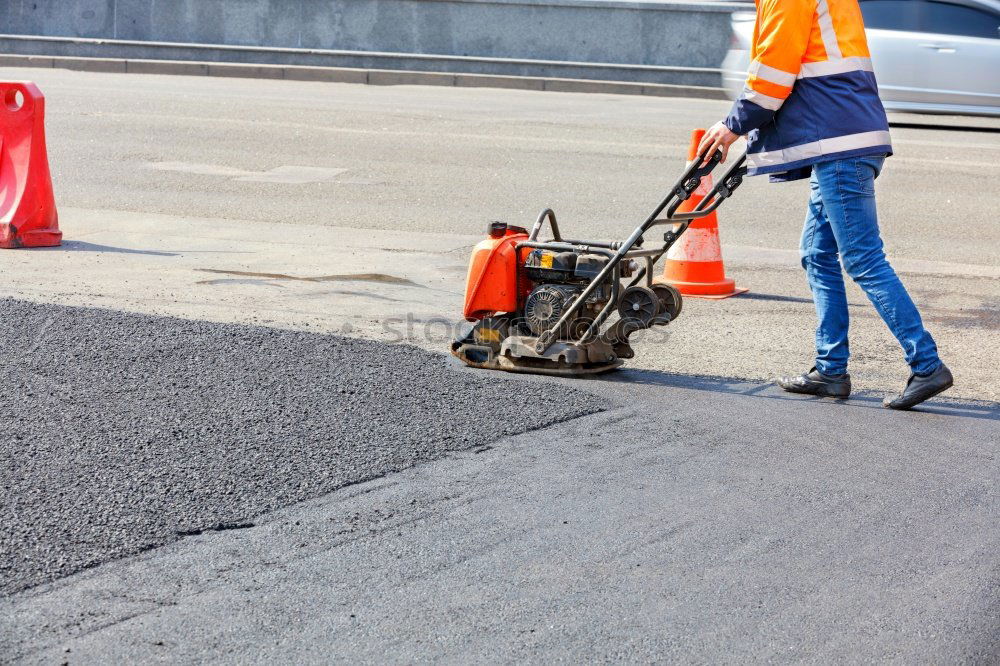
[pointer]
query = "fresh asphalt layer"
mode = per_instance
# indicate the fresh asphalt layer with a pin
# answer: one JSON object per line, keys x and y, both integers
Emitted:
{"x": 124, "y": 432}
{"x": 695, "y": 521}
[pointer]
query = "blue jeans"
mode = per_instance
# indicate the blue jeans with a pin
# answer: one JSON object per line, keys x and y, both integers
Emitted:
{"x": 842, "y": 222}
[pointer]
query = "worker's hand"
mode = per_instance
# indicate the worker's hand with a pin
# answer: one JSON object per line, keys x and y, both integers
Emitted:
{"x": 718, "y": 137}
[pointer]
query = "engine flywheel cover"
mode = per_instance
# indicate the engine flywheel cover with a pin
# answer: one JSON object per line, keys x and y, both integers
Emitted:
{"x": 545, "y": 305}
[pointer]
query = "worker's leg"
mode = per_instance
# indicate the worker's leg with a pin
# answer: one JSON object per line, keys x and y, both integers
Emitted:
{"x": 822, "y": 265}
{"x": 847, "y": 188}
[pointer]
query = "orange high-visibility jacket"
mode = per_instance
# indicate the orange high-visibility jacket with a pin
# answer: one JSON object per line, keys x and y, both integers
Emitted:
{"x": 810, "y": 95}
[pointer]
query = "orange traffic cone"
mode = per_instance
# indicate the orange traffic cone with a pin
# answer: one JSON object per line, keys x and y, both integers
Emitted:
{"x": 694, "y": 262}
{"x": 28, "y": 216}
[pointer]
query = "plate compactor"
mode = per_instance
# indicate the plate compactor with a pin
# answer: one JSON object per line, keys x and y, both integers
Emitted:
{"x": 543, "y": 306}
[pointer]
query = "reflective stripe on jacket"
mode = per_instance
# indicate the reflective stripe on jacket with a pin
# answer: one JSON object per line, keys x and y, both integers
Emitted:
{"x": 810, "y": 95}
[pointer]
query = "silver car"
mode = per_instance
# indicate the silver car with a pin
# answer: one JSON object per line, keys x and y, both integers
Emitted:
{"x": 930, "y": 56}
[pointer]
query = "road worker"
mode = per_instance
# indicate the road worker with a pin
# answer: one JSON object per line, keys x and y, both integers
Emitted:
{"x": 810, "y": 109}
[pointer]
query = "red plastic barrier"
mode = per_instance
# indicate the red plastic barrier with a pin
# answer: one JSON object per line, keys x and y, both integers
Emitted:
{"x": 28, "y": 216}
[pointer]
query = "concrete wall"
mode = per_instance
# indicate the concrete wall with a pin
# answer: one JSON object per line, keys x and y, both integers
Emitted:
{"x": 586, "y": 31}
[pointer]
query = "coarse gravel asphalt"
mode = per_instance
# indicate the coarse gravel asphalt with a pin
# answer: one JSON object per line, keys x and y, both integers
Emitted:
{"x": 124, "y": 432}
{"x": 697, "y": 520}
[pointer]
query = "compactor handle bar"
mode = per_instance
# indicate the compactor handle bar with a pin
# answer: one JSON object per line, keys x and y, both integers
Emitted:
{"x": 547, "y": 213}
{"x": 681, "y": 191}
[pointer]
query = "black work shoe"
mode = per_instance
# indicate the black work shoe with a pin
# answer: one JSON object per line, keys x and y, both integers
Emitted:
{"x": 815, "y": 382}
{"x": 920, "y": 388}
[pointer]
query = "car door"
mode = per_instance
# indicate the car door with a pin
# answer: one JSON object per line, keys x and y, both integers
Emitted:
{"x": 900, "y": 64}
{"x": 963, "y": 39}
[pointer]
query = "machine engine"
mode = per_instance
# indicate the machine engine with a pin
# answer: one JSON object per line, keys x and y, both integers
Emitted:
{"x": 530, "y": 289}
{"x": 558, "y": 278}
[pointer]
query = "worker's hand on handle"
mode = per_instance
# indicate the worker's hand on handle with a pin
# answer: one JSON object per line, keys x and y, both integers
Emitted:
{"x": 718, "y": 137}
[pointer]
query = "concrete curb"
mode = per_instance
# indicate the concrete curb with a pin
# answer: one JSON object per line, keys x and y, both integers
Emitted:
{"x": 382, "y": 77}
{"x": 80, "y": 47}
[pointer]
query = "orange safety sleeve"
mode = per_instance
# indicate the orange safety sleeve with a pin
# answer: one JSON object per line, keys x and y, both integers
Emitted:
{"x": 781, "y": 36}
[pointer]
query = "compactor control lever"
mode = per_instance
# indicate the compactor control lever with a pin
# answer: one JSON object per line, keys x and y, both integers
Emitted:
{"x": 690, "y": 183}
{"x": 722, "y": 190}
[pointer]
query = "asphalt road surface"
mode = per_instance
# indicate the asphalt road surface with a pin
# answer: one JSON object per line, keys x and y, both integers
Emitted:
{"x": 679, "y": 510}
{"x": 449, "y": 159}
{"x": 695, "y": 520}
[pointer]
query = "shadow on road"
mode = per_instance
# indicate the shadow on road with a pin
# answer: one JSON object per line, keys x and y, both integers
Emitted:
{"x": 773, "y": 297}
{"x": 759, "y": 296}
{"x": 83, "y": 246}
{"x": 976, "y": 409}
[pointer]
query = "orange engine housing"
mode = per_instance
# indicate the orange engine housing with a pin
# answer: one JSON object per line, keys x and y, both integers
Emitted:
{"x": 492, "y": 285}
